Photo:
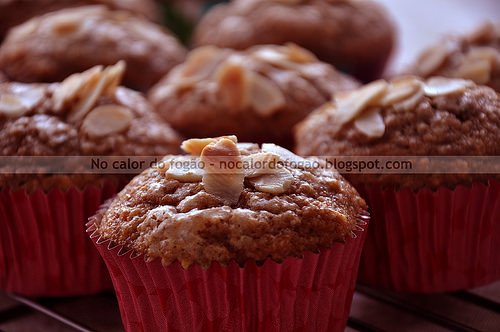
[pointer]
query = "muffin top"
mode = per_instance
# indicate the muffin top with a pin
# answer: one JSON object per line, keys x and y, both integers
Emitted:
{"x": 51, "y": 47}
{"x": 197, "y": 209}
{"x": 258, "y": 94}
{"x": 406, "y": 117}
{"x": 475, "y": 56}
{"x": 14, "y": 12}
{"x": 356, "y": 37}
{"x": 86, "y": 114}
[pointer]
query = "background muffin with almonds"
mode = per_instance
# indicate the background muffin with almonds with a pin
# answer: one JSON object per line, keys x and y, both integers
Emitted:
{"x": 475, "y": 56}
{"x": 357, "y": 37}
{"x": 87, "y": 114}
{"x": 48, "y": 48}
{"x": 14, "y": 12}
{"x": 257, "y": 94}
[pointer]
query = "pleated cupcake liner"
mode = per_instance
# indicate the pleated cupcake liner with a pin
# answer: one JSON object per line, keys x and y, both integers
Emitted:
{"x": 432, "y": 241}
{"x": 44, "y": 250}
{"x": 313, "y": 293}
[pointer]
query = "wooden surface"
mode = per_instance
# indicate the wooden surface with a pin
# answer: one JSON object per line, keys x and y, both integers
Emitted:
{"x": 476, "y": 310}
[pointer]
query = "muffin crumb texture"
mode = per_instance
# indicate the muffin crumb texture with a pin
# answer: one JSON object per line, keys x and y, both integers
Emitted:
{"x": 200, "y": 215}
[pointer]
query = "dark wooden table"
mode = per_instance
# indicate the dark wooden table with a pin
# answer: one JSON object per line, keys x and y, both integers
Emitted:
{"x": 474, "y": 310}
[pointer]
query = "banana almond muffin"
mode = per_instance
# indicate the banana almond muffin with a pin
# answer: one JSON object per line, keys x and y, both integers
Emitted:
{"x": 15, "y": 12}
{"x": 43, "y": 247}
{"x": 51, "y": 47}
{"x": 257, "y": 94}
{"x": 475, "y": 56}
{"x": 269, "y": 227}
{"x": 432, "y": 232}
{"x": 407, "y": 117}
{"x": 356, "y": 37}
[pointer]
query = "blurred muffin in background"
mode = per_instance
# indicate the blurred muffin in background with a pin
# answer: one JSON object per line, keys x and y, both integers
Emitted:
{"x": 14, "y": 12}
{"x": 48, "y": 48}
{"x": 257, "y": 94}
{"x": 356, "y": 37}
{"x": 475, "y": 56}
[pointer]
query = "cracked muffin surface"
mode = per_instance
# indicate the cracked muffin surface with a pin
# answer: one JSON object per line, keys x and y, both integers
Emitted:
{"x": 213, "y": 214}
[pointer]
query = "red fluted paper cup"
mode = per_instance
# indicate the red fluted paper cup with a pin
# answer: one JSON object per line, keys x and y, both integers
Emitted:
{"x": 44, "y": 250}
{"x": 432, "y": 241}
{"x": 311, "y": 293}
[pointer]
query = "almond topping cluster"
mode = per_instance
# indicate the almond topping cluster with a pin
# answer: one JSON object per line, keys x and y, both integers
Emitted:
{"x": 222, "y": 165}
{"x": 472, "y": 58}
{"x": 239, "y": 85}
{"x": 363, "y": 106}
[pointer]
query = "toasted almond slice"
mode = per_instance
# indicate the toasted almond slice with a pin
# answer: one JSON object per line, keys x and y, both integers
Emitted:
{"x": 232, "y": 83}
{"x": 201, "y": 62}
{"x": 410, "y": 103}
{"x": 296, "y": 53}
{"x": 226, "y": 184}
{"x": 401, "y": 89}
{"x": 483, "y": 34}
{"x": 431, "y": 59}
{"x": 371, "y": 123}
{"x": 195, "y": 146}
{"x": 184, "y": 169}
{"x": 68, "y": 90}
{"x": 63, "y": 25}
{"x": 478, "y": 71}
{"x": 350, "y": 105}
{"x": 276, "y": 183}
{"x": 247, "y": 148}
{"x": 437, "y": 86}
{"x": 11, "y": 106}
{"x": 106, "y": 120}
{"x": 285, "y": 155}
{"x": 265, "y": 96}
{"x": 261, "y": 163}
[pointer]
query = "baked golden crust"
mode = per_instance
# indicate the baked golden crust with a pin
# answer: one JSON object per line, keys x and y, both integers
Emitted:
{"x": 356, "y": 37}
{"x": 185, "y": 220}
{"x": 48, "y": 48}
{"x": 439, "y": 117}
{"x": 87, "y": 114}
{"x": 257, "y": 94}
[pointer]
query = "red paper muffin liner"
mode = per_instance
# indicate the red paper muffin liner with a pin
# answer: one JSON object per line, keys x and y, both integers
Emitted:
{"x": 432, "y": 241}
{"x": 44, "y": 250}
{"x": 313, "y": 293}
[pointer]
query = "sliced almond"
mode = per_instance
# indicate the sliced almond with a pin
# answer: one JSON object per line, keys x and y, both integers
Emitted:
{"x": 431, "y": 59}
{"x": 69, "y": 89}
{"x": 483, "y": 34}
{"x": 195, "y": 146}
{"x": 349, "y": 105}
{"x": 411, "y": 102}
{"x": 437, "y": 86}
{"x": 260, "y": 163}
{"x": 201, "y": 62}
{"x": 226, "y": 184}
{"x": 107, "y": 120}
{"x": 265, "y": 96}
{"x": 478, "y": 71}
{"x": 298, "y": 54}
{"x": 247, "y": 148}
{"x": 285, "y": 155}
{"x": 232, "y": 86}
{"x": 276, "y": 184}
{"x": 63, "y": 25}
{"x": 401, "y": 89}
{"x": 371, "y": 123}
{"x": 184, "y": 169}
{"x": 11, "y": 106}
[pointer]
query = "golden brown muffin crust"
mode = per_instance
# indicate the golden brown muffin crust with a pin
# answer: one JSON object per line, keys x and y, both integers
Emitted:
{"x": 162, "y": 217}
{"x": 258, "y": 94}
{"x": 355, "y": 36}
{"x": 465, "y": 122}
{"x": 48, "y": 48}
{"x": 58, "y": 120}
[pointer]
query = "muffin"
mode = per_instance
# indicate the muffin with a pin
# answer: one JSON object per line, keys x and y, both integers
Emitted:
{"x": 475, "y": 56}
{"x": 265, "y": 244}
{"x": 14, "y": 12}
{"x": 43, "y": 247}
{"x": 51, "y": 47}
{"x": 356, "y": 37}
{"x": 424, "y": 218}
{"x": 257, "y": 94}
